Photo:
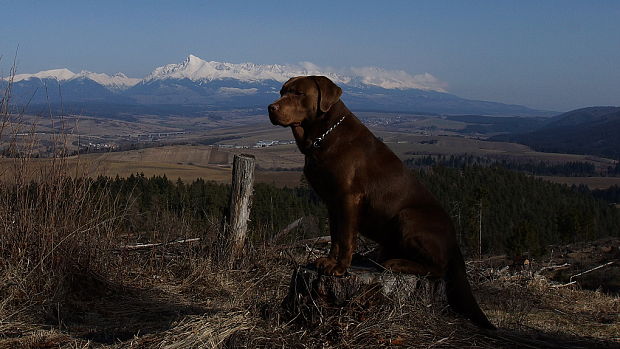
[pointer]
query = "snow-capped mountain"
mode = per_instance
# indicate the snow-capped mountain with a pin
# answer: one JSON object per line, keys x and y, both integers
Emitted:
{"x": 58, "y": 74}
{"x": 196, "y": 69}
{"x": 59, "y": 86}
{"x": 219, "y": 85}
{"x": 118, "y": 81}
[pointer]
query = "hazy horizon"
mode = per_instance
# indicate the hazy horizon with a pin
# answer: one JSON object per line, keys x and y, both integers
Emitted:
{"x": 544, "y": 54}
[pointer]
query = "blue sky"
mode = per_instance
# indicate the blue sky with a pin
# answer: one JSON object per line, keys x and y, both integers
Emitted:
{"x": 556, "y": 55}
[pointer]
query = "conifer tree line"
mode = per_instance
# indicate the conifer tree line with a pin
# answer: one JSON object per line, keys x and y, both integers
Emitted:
{"x": 517, "y": 214}
{"x": 539, "y": 168}
{"x": 505, "y": 211}
{"x": 611, "y": 194}
{"x": 508, "y": 211}
{"x": 201, "y": 202}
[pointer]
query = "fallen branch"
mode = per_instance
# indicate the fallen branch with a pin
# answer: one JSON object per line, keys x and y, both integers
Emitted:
{"x": 564, "y": 285}
{"x": 551, "y": 267}
{"x": 144, "y": 246}
{"x": 590, "y": 270}
{"x": 288, "y": 229}
{"x": 570, "y": 280}
{"x": 317, "y": 240}
{"x": 306, "y": 242}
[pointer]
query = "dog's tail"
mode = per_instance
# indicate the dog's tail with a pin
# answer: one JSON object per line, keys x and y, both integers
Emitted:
{"x": 460, "y": 297}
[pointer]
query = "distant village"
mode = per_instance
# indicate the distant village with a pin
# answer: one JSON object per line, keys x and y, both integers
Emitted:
{"x": 259, "y": 144}
{"x": 100, "y": 146}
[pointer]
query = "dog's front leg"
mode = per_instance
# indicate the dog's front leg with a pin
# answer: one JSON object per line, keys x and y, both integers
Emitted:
{"x": 327, "y": 264}
{"x": 343, "y": 229}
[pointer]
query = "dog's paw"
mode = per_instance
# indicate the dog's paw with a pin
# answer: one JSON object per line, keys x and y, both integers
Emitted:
{"x": 324, "y": 263}
{"x": 329, "y": 266}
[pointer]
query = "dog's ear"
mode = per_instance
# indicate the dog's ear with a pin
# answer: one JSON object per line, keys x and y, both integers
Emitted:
{"x": 329, "y": 93}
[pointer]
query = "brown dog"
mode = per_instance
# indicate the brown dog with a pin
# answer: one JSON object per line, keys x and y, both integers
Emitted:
{"x": 367, "y": 189}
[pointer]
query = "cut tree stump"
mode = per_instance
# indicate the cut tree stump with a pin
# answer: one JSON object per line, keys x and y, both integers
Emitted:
{"x": 312, "y": 295}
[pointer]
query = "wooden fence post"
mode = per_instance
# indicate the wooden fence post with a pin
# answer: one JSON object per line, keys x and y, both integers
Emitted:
{"x": 240, "y": 201}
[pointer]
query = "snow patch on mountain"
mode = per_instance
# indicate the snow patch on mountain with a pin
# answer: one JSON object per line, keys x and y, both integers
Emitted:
{"x": 238, "y": 91}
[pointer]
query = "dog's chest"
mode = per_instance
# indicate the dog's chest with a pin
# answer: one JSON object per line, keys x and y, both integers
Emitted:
{"x": 321, "y": 176}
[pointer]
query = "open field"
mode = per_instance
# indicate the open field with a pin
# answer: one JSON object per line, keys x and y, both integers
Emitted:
{"x": 189, "y": 162}
{"x": 108, "y": 164}
{"x": 212, "y": 162}
{"x": 188, "y": 148}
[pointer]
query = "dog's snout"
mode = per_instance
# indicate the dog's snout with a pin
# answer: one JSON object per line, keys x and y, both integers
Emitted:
{"x": 273, "y": 107}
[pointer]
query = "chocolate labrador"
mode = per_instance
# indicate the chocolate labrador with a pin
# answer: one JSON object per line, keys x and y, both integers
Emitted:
{"x": 367, "y": 189}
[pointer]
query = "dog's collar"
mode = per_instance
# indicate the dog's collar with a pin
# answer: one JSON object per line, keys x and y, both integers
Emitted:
{"x": 317, "y": 142}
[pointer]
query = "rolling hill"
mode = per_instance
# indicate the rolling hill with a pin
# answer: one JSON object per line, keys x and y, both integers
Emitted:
{"x": 593, "y": 130}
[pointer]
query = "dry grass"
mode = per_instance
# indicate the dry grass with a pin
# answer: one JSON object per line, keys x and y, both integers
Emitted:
{"x": 54, "y": 234}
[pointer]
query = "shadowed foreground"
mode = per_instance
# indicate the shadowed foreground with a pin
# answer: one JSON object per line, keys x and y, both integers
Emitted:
{"x": 168, "y": 296}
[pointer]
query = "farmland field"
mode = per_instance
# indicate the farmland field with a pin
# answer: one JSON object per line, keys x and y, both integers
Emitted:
{"x": 189, "y": 148}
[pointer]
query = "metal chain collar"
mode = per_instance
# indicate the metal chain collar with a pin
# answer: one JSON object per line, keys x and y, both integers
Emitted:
{"x": 317, "y": 142}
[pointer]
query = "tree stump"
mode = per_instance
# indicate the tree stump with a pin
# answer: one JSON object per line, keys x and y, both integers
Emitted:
{"x": 312, "y": 295}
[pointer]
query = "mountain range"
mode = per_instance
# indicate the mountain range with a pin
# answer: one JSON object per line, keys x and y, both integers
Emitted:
{"x": 196, "y": 85}
{"x": 592, "y": 130}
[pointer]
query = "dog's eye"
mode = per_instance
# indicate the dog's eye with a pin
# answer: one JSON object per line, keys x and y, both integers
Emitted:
{"x": 299, "y": 93}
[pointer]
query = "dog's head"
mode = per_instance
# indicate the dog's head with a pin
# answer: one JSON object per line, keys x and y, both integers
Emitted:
{"x": 303, "y": 98}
